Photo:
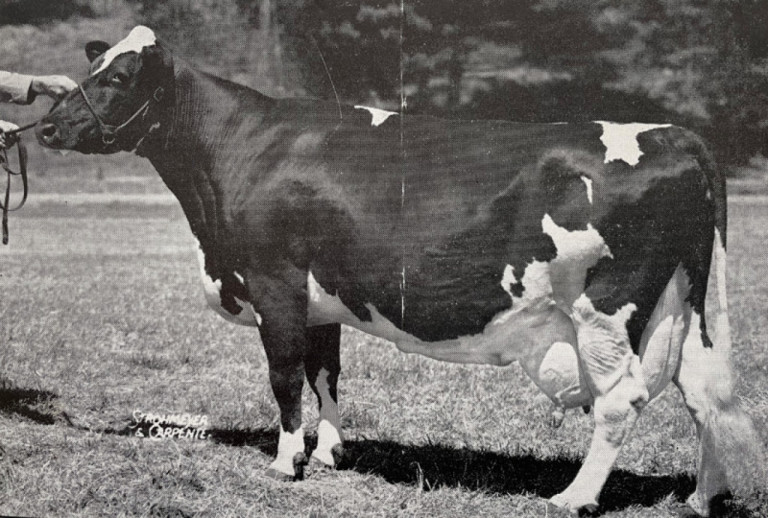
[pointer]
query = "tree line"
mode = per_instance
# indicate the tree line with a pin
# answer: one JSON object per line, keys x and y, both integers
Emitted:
{"x": 698, "y": 63}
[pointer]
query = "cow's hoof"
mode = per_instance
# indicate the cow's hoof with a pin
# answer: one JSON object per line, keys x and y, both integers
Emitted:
{"x": 573, "y": 505}
{"x": 682, "y": 510}
{"x": 695, "y": 505}
{"x": 330, "y": 458}
{"x": 316, "y": 467}
{"x": 325, "y": 461}
{"x": 337, "y": 452}
{"x": 277, "y": 472}
{"x": 556, "y": 417}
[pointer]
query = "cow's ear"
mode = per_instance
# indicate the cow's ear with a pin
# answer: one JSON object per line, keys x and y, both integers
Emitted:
{"x": 94, "y": 49}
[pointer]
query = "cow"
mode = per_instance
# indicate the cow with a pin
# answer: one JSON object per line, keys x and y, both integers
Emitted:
{"x": 582, "y": 251}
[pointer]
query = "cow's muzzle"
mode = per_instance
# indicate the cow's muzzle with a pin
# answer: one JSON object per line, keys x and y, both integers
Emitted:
{"x": 48, "y": 134}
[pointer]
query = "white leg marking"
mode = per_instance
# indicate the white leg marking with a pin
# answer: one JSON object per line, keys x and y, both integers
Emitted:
{"x": 615, "y": 416}
{"x": 698, "y": 367}
{"x": 620, "y": 140}
{"x": 329, "y": 428}
{"x": 378, "y": 115}
{"x": 615, "y": 376}
{"x": 730, "y": 452}
{"x": 288, "y": 446}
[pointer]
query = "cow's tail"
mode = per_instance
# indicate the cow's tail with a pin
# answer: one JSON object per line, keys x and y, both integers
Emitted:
{"x": 728, "y": 436}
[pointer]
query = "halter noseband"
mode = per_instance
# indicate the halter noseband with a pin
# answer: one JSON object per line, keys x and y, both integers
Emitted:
{"x": 109, "y": 131}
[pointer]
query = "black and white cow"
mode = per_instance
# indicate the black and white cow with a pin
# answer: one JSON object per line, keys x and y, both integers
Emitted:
{"x": 581, "y": 251}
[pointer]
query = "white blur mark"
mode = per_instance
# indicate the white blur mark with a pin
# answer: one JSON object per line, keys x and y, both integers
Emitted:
{"x": 136, "y": 40}
{"x": 402, "y": 298}
{"x": 588, "y": 183}
{"x": 620, "y": 140}
{"x": 379, "y": 116}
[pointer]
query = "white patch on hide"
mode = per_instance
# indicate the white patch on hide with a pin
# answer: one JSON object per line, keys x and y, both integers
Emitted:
{"x": 212, "y": 289}
{"x": 537, "y": 292}
{"x": 588, "y": 183}
{"x": 577, "y": 251}
{"x": 378, "y": 115}
{"x": 620, "y": 140}
{"x": 136, "y": 40}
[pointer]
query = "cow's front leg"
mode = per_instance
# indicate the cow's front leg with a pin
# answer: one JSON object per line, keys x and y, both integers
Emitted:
{"x": 615, "y": 377}
{"x": 281, "y": 302}
{"x": 322, "y": 366}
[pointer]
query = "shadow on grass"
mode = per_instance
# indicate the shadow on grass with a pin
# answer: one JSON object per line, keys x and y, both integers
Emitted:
{"x": 35, "y": 405}
{"x": 435, "y": 465}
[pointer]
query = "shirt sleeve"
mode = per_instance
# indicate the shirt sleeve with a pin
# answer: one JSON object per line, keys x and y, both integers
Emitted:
{"x": 15, "y": 88}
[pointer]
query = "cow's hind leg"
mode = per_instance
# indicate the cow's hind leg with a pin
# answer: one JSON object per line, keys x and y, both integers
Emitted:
{"x": 322, "y": 365}
{"x": 615, "y": 377}
{"x": 729, "y": 457}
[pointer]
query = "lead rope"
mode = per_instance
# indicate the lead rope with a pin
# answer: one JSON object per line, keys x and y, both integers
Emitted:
{"x": 6, "y": 206}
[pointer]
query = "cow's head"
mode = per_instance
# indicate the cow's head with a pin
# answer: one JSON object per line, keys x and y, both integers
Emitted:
{"x": 126, "y": 97}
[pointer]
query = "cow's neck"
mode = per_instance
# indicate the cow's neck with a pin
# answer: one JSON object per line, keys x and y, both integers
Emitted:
{"x": 192, "y": 155}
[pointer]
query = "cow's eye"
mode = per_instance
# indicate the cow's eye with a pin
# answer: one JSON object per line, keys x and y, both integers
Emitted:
{"x": 119, "y": 79}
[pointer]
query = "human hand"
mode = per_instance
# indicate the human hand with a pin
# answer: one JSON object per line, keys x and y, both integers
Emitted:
{"x": 54, "y": 87}
{"x": 10, "y": 139}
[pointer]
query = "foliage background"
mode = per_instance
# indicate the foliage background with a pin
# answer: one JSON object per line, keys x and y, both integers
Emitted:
{"x": 699, "y": 63}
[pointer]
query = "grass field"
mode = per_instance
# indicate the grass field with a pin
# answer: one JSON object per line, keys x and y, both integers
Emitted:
{"x": 102, "y": 314}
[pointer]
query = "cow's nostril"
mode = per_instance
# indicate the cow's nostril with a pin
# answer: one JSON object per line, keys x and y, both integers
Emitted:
{"x": 48, "y": 131}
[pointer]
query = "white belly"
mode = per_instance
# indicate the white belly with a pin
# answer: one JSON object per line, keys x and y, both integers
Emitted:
{"x": 535, "y": 332}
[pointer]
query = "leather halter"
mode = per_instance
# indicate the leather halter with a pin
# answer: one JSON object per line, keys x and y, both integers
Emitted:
{"x": 108, "y": 131}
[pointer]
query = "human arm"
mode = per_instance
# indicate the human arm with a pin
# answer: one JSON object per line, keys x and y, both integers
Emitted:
{"x": 55, "y": 86}
{"x": 15, "y": 88}
{"x": 22, "y": 88}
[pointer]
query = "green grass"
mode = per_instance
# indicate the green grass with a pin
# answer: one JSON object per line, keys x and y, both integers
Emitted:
{"x": 102, "y": 313}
